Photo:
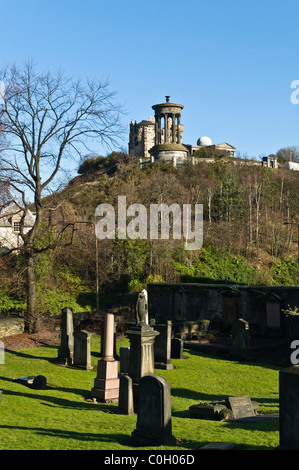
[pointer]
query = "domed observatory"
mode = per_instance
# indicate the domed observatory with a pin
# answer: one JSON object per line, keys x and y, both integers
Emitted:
{"x": 168, "y": 134}
{"x": 204, "y": 141}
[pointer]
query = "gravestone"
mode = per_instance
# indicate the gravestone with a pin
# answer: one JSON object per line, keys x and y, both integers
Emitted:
{"x": 106, "y": 384}
{"x": 66, "y": 349}
{"x": 82, "y": 354}
{"x": 125, "y": 402}
{"x": 177, "y": 347}
{"x": 124, "y": 360}
{"x": 241, "y": 407}
{"x": 240, "y": 339}
{"x": 153, "y": 426}
{"x": 162, "y": 346}
{"x": 225, "y": 410}
{"x": 289, "y": 408}
{"x": 36, "y": 382}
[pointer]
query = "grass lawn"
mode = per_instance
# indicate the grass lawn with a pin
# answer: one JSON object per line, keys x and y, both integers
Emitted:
{"x": 63, "y": 417}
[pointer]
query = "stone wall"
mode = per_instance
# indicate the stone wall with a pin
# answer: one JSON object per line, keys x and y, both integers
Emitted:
{"x": 261, "y": 306}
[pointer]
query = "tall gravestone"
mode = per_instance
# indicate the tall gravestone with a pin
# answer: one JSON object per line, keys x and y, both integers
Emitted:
{"x": 82, "y": 354}
{"x": 66, "y": 349}
{"x": 289, "y": 408}
{"x": 153, "y": 426}
{"x": 142, "y": 338}
{"x": 106, "y": 384}
{"x": 162, "y": 345}
{"x": 124, "y": 360}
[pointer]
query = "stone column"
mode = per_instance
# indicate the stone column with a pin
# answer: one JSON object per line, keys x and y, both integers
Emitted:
{"x": 106, "y": 384}
{"x": 178, "y": 130}
{"x": 173, "y": 128}
{"x": 166, "y": 129}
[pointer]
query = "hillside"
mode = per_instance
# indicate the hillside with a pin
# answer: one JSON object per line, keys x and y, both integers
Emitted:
{"x": 245, "y": 240}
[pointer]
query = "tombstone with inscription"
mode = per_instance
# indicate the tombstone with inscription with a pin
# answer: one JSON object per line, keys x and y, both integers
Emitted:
{"x": 82, "y": 354}
{"x": 233, "y": 408}
{"x": 153, "y": 426}
{"x": 66, "y": 349}
{"x": 124, "y": 360}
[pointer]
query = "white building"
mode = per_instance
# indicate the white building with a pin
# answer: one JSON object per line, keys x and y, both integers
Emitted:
{"x": 292, "y": 166}
{"x": 10, "y": 221}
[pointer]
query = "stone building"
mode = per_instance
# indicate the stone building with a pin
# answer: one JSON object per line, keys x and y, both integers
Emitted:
{"x": 142, "y": 138}
{"x": 160, "y": 138}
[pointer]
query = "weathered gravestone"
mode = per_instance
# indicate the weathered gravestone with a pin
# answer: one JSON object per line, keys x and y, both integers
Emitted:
{"x": 66, "y": 349}
{"x": 225, "y": 410}
{"x": 82, "y": 354}
{"x": 162, "y": 346}
{"x": 241, "y": 407}
{"x": 125, "y": 402}
{"x": 153, "y": 426}
{"x": 36, "y": 382}
{"x": 289, "y": 408}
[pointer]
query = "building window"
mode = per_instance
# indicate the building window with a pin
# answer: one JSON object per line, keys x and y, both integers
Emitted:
{"x": 16, "y": 226}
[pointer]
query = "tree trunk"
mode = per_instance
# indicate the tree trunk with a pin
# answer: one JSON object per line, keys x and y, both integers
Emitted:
{"x": 32, "y": 320}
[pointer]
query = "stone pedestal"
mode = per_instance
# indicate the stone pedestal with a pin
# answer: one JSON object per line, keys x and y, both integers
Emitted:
{"x": 141, "y": 362}
{"x": 106, "y": 384}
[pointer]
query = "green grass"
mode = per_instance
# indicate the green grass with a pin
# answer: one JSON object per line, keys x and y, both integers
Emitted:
{"x": 63, "y": 418}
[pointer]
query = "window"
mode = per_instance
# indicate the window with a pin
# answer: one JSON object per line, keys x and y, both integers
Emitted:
{"x": 16, "y": 226}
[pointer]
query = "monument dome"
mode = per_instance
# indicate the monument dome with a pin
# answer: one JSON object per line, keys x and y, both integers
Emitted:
{"x": 204, "y": 141}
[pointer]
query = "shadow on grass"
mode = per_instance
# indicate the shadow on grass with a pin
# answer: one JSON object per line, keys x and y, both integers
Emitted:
{"x": 223, "y": 356}
{"x": 80, "y": 436}
{"x": 31, "y": 356}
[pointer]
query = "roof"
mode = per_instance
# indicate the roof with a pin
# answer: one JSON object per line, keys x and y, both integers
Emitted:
{"x": 146, "y": 123}
{"x": 13, "y": 208}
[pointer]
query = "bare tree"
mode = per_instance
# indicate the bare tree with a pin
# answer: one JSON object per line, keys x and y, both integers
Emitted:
{"x": 46, "y": 119}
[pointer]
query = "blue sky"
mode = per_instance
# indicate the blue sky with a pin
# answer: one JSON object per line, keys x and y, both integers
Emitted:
{"x": 230, "y": 63}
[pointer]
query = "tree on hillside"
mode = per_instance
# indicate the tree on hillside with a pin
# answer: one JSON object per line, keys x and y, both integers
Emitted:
{"x": 288, "y": 154}
{"x": 46, "y": 119}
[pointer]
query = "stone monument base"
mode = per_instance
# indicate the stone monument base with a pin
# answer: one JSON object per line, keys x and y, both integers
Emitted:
{"x": 106, "y": 384}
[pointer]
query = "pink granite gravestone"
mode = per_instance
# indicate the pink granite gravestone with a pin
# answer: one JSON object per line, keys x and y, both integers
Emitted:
{"x": 106, "y": 384}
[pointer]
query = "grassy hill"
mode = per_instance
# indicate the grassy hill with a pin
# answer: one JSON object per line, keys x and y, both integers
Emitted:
{"x": 244, "y": 240}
